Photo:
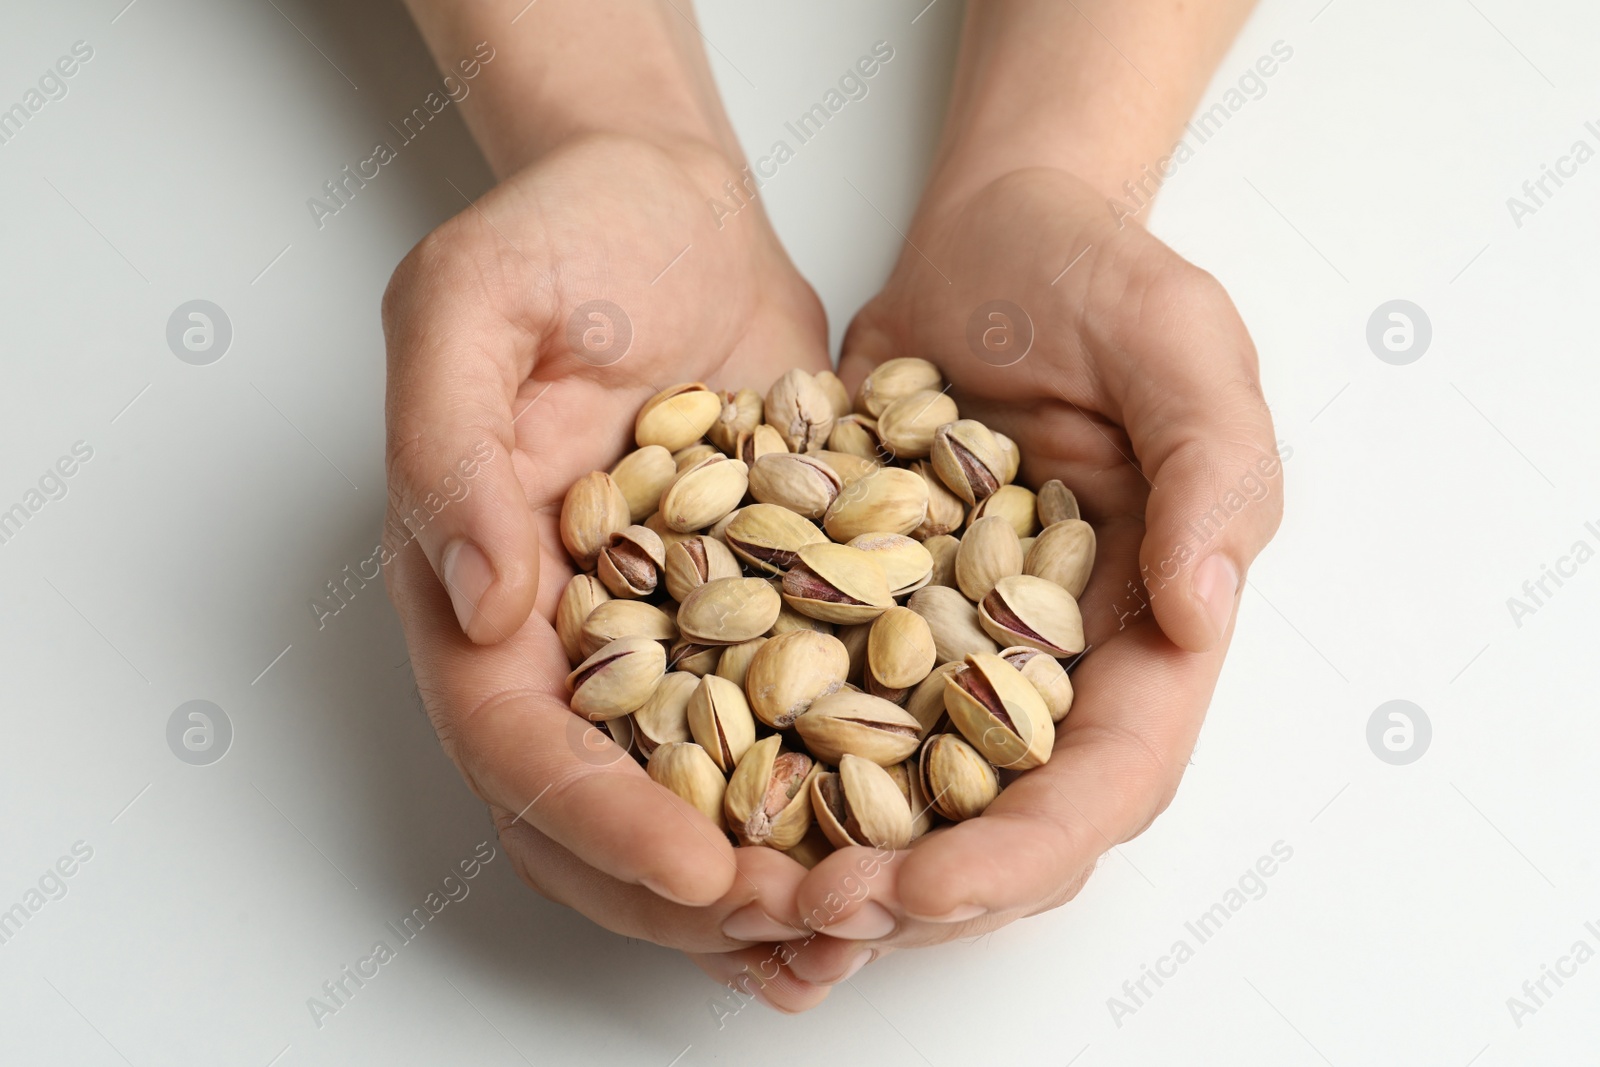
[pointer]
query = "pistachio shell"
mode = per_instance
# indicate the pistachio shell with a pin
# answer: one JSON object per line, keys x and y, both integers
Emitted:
{"x": 1016, "y": 504}
{"x": 630, "y": 564}
{"x": 677, "y": 417}
{"x": 1046, "y": 674}
{"x": 906, "y": 427}
{"x": 855, "y": 435}
{"x": 943, "y": 549}
{"x": 802, "y": 483}
{"x": 768, "y": 800}
{"x": 989, "y": 551}
{"x": 668, "y": 535}
{"x": 800, "y": 410}
{"x": 894, "y": 379}
{"x": 593, "y": 509}
{"x": 830, "y": 384}
{"x": 957, "y": 780}
{"x": 953, "y": 620}
{"x": 741, "y": 412}
{"x": 704, "y": 493}
{"x": 889, "y": 500}
{"x": 922, "y": 810}
{"x": 726, "y": 611}
{"x": 613, "y": 619}
{"x": 617, "y": 679}
{"x": 968, "y": 459}
{"x": 999, "y": 712}
{"x": 696, "y": 560}
{"x": 1063, "y": 553}
{"x": 900, "y": 649}
{"x": 926, "y": 703}
{"x": 664, "y": 716}
{"x": 582, "y": 595}
{"x": 854, "y": 638}
{"x": 698, "y": 452}
{"x": 792, "y": 670}
{"x": 1025, "y": 610}
{"x": 643, "y": 475}
{"x": 837, "y": 583}
{"x": 906, "y": 564}
{"x": 720, "y": 721}
{"x": 858, "y": 724}
{"x": 1010, "y": 454}
{"x": 764, "y": 440}
{"x": 694, "y": 658}
{"x": 849, "y": 467}
{"x": 770, "y": 537}
{"x": 790, "y": 620}
{"x": 688, "y": 770}
{"x": 946, "y": 512}
{"x": 1057, "y": 503}
{"x": 734, "y": 663}
{"x": 861, "y": 805}
{"x": 813, "y": 848}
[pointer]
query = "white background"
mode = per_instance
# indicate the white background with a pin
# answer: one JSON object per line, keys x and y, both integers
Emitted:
{"x": 1420, "y": 497}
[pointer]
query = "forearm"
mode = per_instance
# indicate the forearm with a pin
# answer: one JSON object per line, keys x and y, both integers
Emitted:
{"x": 1095, "y": 87}
{"x": 565, "y": 68}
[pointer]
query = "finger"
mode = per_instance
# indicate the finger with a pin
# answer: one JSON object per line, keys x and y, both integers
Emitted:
{"x": 455, "y": 362}
{"x": 765, "y": 885}
{"x": 827, "y": 961}
{"x": 1205, "y": 439}
{"x": 757, "y": 974}
{"x": 501, "y": 714}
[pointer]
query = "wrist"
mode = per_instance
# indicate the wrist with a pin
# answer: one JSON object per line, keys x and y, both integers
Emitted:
{"x": 565, "y": 69}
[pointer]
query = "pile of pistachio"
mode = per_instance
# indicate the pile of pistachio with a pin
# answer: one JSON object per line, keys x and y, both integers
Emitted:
{"x": 824, "y": 623}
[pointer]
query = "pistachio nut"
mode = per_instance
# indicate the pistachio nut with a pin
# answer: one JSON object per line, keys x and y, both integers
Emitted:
{"x": 685, "y": 458}
{"x": 1046, "y": 674}
{"x": 1024, "y": 610}
{"x": 696, "y": 560}
{"x": 1016, "y": 504}
{"x": 630, "y": 564}
{"x": 664, "y": 716}
{"x": 582, "y": 595}
{"x": 790, "y": 620}
{"x": 611, "y": 619}
{"x": 764, "y": 440}
{"x": 889, "y": 500}
{"x": 900, "y": 653}
{"x": 946, "y": 512}
{"x": 688, "y": 770}
{"x": 726, "y": 611}
{"x": 989, "y": 552}
{"x": 906, "y": 563}
{"x": 741, "y": 412}
{"x": 926, "y": 702}
{"x": 768, "y": 800}
{"x": 770, "y": 537}
{"x": 837, "y": 583}
{"x": 861, "y": 805}
{"x": 856, "y": 435}
{"x": 906, "y": 427}
{"x": 1010, "y": 454}
{"x": 704, "y": 493}
{"x": 1056, "y": 503}
{"x": 813, "y": 848}
{"x": 797, "y": 481}
{"x": 735, "y": 661}
{"x": 1063, "y": 553}
{"x": 668, "y": 535}
{"x": 958, "y": 781}
{"x": 593, "y": 509}
{"x": 643, "y": 475}
{"x": 848, "y": 466}
{"x": 694, "y": 658}
{"x": 617, "y": 678}
{"x": 800, "y": 410}
{"x": 893, "y": 379}
{"x": 854, "y": 638}
{"x": 838, "y": 396}
{"x": 943, "y": 549}
{"x": 953, "y": 621}
{"x": 677, "y": 417}
{"x": 999, "y": 712}
{"x": 968, "y": 459}
{"x": 720, "y": 721}
{"x": 858, "y": 724}
{"x": 792, "y": 670}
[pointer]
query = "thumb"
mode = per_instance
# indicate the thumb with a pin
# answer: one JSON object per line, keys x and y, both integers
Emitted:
{"x": 454, "y": 365}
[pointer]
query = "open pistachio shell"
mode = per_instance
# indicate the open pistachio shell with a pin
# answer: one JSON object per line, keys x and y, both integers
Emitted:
{"x": 720, "y": 721}
{"x": 770, "y": 537}
{"x": 612, "y": 619}
{"x": 734, "y": 663}
{"x": 1025, "y": 610}
{"x": 893, "y": 379}
{"x": 768, "y": 800}
{"x": 677, "y": 417}
{"x": 889, "y": 500}
{"x": 858, "y": 724}
{"x": 837, "y": 583}
{"x": 953, "y": 621}
{"x": 593, "y": 509}
{"x": 802, "y": 483}
{"x": 1048, "y": 676}
{"x": 946, "y": 512}
{"x": 800, "y": 410}
{"x": 968, "y": 459}
{"x": 957, "y": 780}
{"x": 861, "y": 805}
{"x": 688, "y": 770}
{"x": 741, "y": 413}
{"x": 1056, "y": 503}
{"x": 790, "y": 671}
{"x": 906, "y": 427}
{"x": 631, "y": 562}
{"x": 704, "y": 492}
{"x": 582, "y": 595}
{"x": 696, "y": 560}
{"x": 1064, "y": 554}
{"x": 906, "y": 563}
{"x": 617, "y": 678}
{"x": 1014, "y": 502}
{"x": 726, "y": 611}
{"x": 643, "y": 475}
{"x": 664, "y": 716}
{"x": 999, "y": 712}
{"x": 989, "y": 552}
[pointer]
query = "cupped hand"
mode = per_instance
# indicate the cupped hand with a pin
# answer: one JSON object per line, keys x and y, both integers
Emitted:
{"x": 503, "y": 390}
{"x": 1139, "y": 390}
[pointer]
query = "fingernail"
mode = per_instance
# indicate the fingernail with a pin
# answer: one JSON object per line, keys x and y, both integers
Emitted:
{"x": 750, "y": 923}
{"x": 661, "y": 891}
{"x": 871, "y": 922}
{"x": 1216, "y": 582}
{"x": 858, "y": 961}
{"x": 965, "y": 913}
{"x": 467, "y": 575}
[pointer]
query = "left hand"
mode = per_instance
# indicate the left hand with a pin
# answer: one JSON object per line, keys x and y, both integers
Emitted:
{"x": 1140, "y": 392}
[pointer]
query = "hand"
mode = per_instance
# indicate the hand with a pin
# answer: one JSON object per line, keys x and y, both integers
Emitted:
{"x": 480, "y": 369}
{"x": 1139, "y": 392}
